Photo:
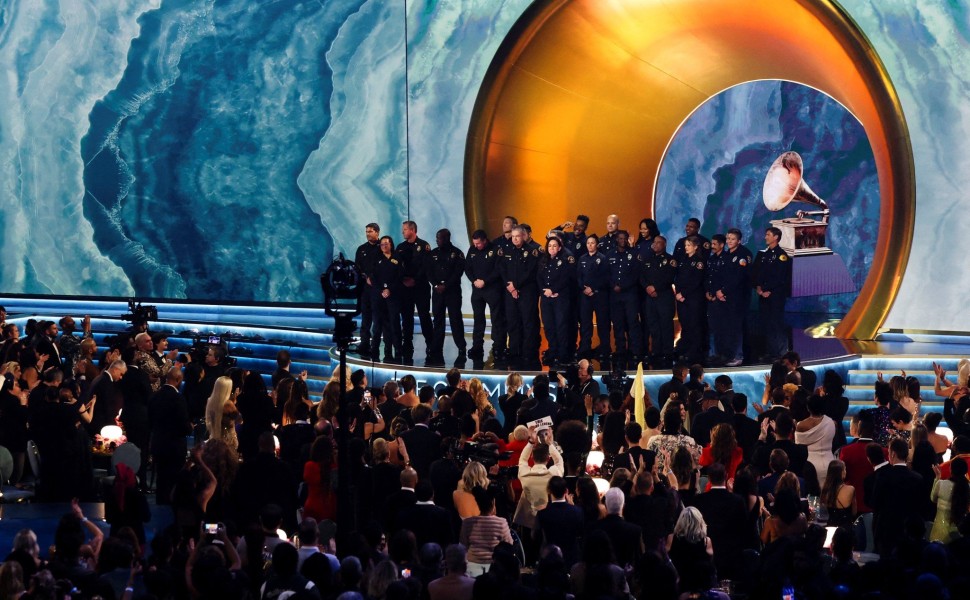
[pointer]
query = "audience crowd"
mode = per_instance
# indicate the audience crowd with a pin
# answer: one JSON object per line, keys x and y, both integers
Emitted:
{"x": 564, "y": 494}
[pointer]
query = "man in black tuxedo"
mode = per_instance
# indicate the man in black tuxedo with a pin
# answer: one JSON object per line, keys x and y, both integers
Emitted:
{"x": 428, "y": 523}
{"x": 45, "y": 342}
{"x": 675, "y": 385}
{"x": 110, "y": 400}
{"x": 424, "y": 445}
{"x": 896, "y": 497}
{"x": 784, "y": 428}
{"x": 627, "y": 538}
{"x": 264, "y": 479}
{"x": 296, "y": 439}
{"x": 168, "y": 415}
{"x": 793, "y": 362}
{"x": 136, "y": 389}
{"x": 725, "y": 515}
{"x": 746, "y": 429}
{"x": 399, "y": 500}
{"x": 561, "y": 523}
{"x": 710, "y": 416}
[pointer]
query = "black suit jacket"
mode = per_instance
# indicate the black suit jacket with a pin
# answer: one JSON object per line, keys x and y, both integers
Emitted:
{"x": 896, "y": 496}
{"x": 562, "y": 524}
{"x": 705, "y": 421}
{"x": 797, "y": 456}
{"x": 265, "y": 479}
{"x": 808, "y": 379}
{"x": 393, "y": 505}
{"x": 626, "y": 538}
{"x": 747, "y": 431}
{"x": 168, "y": 416}
{"x": 724, "y": 512}
{"x": 109, "y": 401}
{"x": 428, "y": 522}
{"x": 424, "y": 447}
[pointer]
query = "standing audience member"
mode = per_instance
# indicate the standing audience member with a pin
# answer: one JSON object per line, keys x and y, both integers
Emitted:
{"x": 724, "y": 513}
{"x": 482, "y": 533}
{"x": 895, "y": 499}
{"x": 951, "y": 497}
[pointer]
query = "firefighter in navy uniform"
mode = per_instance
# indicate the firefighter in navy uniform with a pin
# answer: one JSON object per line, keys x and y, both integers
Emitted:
{"x": 481, "y": 268}
{"x": 575, "y": 240}
{"x": 735, "y": 293}
{"x": 519, "y": 268}
{"x": 446, "y": 266}
{"x": 625, "y": 270}
{"x": 504, "y": 241}
{"x": 387, "y": 278}
{"x": 692, "y": 227}
{"x": 593, "y": 283}
{"x": 657, "y": 279}
{"x": 608, "y": 240}
{"x": 691, "y": 301}
{"x": 416, "y": 293}
{"x": 366, "y": 256}
{"x": 556, "y": 282}
{"x": 716, "y": 309}
{"x": 772, "y": 282}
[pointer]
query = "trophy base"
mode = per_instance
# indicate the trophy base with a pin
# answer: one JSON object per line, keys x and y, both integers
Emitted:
{"x": 802, "y": 237}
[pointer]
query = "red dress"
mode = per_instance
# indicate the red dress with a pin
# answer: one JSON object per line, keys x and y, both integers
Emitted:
{"x": 321, "y": 503}
{"x": 707, "y": 459}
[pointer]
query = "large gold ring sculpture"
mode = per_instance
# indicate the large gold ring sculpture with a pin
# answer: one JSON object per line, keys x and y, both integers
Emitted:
{"x": 583, "y": 97}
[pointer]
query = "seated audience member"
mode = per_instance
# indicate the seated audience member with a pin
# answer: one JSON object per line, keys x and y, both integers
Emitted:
{"x": 787, "y": 520}
{"x": 455, "y": 584}
{"x": 692, "y": 551}
{"x": 482, "y": 533}
{"x": 284, "y": 577}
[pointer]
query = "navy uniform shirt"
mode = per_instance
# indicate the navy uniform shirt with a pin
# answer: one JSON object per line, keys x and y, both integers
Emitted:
{"x": 607, "y": 243}
{"x": 576, "y": 244}
{"x": 367, "y": 255}
{"x": 414, "y": 255}
{"x": 519, "y": 267}
{"x": 557, "y": 274}
{"x": 388, "y": 274}
{"x": 715, "y": 272}
{"x": 624, "y": 269}
{"x": 659, "y": 270}
{"x": 593, "y": 271}
{"x": 691, "y": 275}
{"x": 772, "y": 269}
{"x": 503, "y": 243}
{"x": 680, "y": 252}
{"x": 446, "y": 266}
{"x": 483, "y": 264}
{"x": 736, "y": 273}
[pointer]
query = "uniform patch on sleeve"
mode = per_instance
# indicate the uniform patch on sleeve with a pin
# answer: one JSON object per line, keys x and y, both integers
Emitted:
{"x": 783, "y": 257}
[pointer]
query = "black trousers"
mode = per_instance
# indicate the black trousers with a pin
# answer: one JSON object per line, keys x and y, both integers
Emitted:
{"x": 660, "y": 314}
{"x": 692, "y": 314}
{"x": 366, "y": 317}
{"x": 556, "y": 313}
{"x": 418, "y": 297}
{"x": 387, "y": 325}
{"x": 598, "y": 303}
{"x": 169, "y": 458}
{"x": 449, "y": 300}
{"x": 491, "y": 298}
{"x": 773, "y": 323}
{"x": 522, "y": 318}
{"x": 626, "y": 328}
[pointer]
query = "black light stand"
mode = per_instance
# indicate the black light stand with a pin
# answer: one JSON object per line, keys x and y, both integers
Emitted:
{"x": 342, "y": 286}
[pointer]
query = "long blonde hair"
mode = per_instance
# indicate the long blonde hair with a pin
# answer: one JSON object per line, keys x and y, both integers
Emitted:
{"x": 215, "y": 405}
{"x": 473, "y": 475}
{"x": 478, "y": 393}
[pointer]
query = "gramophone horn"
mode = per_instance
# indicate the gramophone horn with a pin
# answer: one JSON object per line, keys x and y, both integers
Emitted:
{"x": 784, "y": 184}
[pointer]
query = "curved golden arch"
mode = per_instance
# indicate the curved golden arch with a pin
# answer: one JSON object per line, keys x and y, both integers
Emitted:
{"x": 583, "y": 96}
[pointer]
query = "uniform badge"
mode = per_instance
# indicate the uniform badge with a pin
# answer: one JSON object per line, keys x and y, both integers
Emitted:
{"x": 743, "y": 263}
{"x": 783, "y": 257}
{"x": 735, "y": 259}
{"x": 673, "y": 262}
{"x": 500, "y": 253}
{"x": 525, "y": 253}
{"x": 452, "y": 255}
{"x": 418, "y": 249}
{"x": 490, "y": 253}
{"x": 597, "y": 261}
{"x": 534, "y": 252}
{"x": 700, "y": 266}
{"x": 558, "y": 263}
{"x": 571, "y": 260}
{"x": 707, "y": 245}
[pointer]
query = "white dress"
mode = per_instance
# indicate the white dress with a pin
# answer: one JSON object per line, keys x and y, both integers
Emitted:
{"x": 819, "y": 442}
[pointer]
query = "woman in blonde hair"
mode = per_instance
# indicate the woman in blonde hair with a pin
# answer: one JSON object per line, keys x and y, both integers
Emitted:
{"x": 482, "y": 404}
{"x": 511, "y": 401}
{"x": 691, "y": 551}
{"x": 473, "y": 475}
{"x": 221, "y": 414}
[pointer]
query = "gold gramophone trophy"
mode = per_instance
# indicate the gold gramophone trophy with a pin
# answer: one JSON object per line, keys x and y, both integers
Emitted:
{"x": 800, "y": 236}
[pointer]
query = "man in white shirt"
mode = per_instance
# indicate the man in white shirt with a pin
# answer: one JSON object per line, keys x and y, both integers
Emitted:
{"x": 535, "y": 478}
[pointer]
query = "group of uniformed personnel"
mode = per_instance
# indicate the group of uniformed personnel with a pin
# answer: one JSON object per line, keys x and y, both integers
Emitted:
{"x": 632, "y": 287}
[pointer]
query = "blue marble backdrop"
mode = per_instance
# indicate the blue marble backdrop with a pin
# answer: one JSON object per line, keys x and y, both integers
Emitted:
{"x": 716, "y": 164}
{"x": 225, "y": 150}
